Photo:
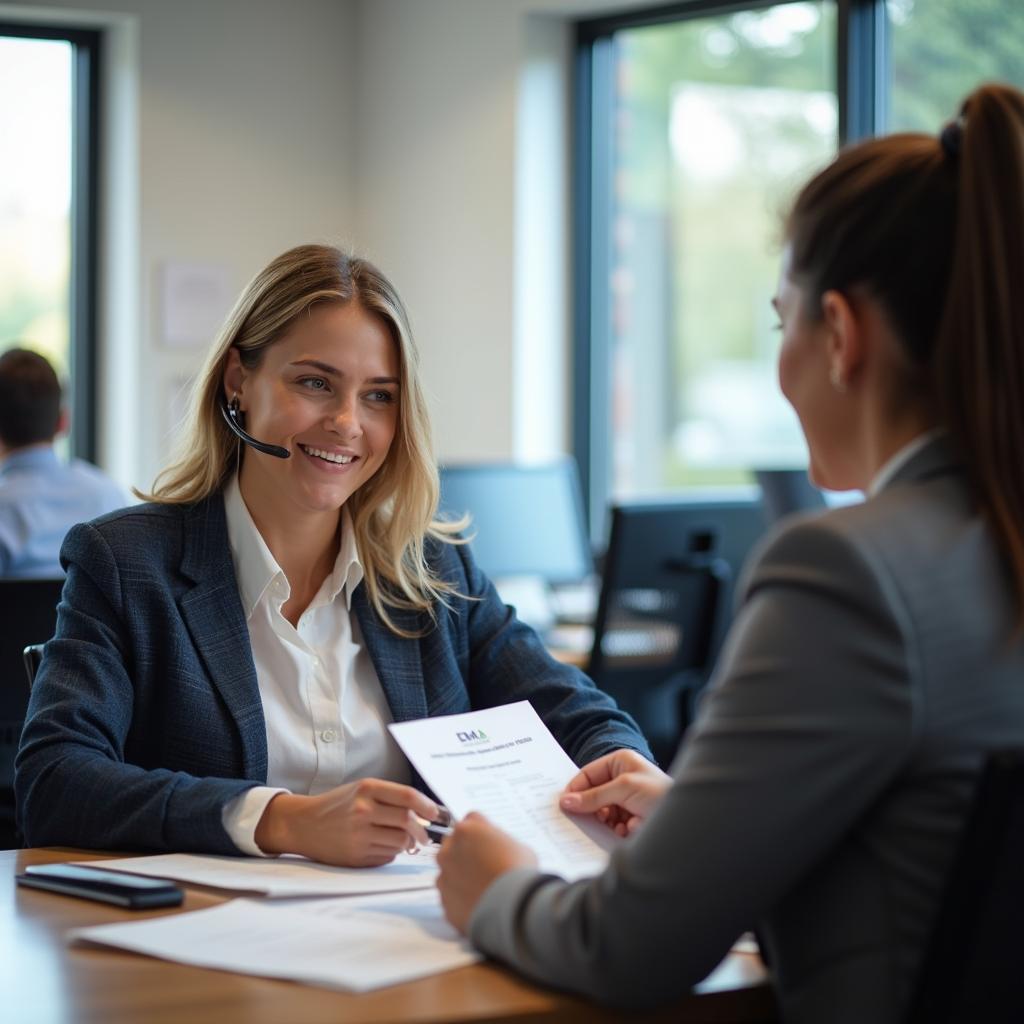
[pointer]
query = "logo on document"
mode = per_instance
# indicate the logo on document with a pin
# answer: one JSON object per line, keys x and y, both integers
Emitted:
{"x": 473, "y": 736}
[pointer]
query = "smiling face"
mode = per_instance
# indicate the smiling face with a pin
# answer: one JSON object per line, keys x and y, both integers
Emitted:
{"x": 328, "y": 391}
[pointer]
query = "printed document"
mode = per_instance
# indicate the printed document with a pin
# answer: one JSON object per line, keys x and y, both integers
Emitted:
{"x": 504, "y": 763}
{"x": 281, "y": 876}
{"x": 355, "y": 944}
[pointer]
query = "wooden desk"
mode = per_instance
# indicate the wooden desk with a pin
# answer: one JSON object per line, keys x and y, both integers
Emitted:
{"x": 45, "y": 981}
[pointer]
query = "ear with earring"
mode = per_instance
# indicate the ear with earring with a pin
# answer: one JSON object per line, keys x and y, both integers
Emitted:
{"x": 836, "y": 378}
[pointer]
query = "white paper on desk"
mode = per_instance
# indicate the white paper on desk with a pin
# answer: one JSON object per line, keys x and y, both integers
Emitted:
{"x": 281, "y": 876}
{"x": 505, "y": 763}
{"x": 355, "y": 944}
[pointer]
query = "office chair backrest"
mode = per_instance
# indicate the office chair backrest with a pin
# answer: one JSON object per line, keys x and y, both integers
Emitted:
{"x": 662, "y": 591}
{"x": 972, "y": 968}
{"x": 28, "y": 614}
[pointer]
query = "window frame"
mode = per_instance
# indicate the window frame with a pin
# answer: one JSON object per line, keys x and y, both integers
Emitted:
{"x": 86, "y": 68}
{"x": 862, "y": 80}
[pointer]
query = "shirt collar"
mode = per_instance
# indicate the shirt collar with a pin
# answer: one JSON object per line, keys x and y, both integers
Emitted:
{"x": 37, "y": 456}
{"x": 348, "y": 569}
{"x": 256, "y": 568}
{"x": 885, "y": 475}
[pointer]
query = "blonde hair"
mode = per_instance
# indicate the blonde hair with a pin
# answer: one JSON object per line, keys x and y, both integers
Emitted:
{"x": 390, "y": 534}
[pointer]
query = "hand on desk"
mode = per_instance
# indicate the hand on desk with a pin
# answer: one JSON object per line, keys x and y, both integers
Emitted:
{"x": 621, "y": 789}
{"x": 359, "y": 825}
{"x": 470, "y": 859}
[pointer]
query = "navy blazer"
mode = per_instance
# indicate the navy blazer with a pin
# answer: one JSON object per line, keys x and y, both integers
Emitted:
{"x": 145, "y": 718}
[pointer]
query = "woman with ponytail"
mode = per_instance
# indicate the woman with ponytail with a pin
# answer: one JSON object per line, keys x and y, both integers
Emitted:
{"x": 878, "y": 655}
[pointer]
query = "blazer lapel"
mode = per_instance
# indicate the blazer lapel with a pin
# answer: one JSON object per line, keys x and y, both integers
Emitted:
{"x": 398, "y": 660}
{"x": 213, "y": 614}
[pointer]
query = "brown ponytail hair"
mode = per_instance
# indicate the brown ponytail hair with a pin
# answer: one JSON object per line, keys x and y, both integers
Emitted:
{"x": 933, "y": 229}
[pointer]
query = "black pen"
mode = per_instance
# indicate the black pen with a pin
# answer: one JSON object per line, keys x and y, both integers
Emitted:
{"x": 439, "y": 828}
{"x": 436, "y": 832}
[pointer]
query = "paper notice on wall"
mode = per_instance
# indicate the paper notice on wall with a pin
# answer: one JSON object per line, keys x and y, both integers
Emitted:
{"x": 194, "y": 301}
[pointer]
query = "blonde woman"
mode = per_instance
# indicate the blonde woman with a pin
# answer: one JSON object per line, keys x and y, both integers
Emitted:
{"x": 228, "y": 656}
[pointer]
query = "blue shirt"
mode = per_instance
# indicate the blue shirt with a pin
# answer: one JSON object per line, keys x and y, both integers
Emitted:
{"x": 41, "y": 498}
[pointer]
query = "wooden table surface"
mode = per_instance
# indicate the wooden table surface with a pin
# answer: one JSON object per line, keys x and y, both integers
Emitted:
{"x": 43, "y": 980}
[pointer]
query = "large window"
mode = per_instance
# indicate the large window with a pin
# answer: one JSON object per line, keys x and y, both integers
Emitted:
{"x": 47, "y": 206}
{"x": 695, "y": 126}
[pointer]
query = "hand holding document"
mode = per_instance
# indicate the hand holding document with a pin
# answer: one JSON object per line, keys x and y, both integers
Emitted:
{"x": 282, "y": 876}
{"x": 501, "y": 761}
{"x": 504, "y": 763}
{"x": 353, "y": 944}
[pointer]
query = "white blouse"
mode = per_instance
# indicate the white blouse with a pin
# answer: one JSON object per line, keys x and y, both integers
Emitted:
{"x": 325, "y": 711}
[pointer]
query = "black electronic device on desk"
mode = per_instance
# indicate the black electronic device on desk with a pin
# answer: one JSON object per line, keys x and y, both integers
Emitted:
{"x": 136, "y": 892}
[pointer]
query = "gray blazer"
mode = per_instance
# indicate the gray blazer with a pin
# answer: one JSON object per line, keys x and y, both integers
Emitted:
{"x": 821, "y": 793}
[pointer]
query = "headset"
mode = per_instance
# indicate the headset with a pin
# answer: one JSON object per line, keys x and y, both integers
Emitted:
{"x": 232, "y": 417}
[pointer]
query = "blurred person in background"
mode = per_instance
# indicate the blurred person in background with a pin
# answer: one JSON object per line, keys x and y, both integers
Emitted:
{"x": 41, "y": 496}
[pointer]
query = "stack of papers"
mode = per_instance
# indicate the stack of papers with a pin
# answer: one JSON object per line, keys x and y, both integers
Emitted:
{"x": 282, "y": 876}
{"x": 355, "y": 944}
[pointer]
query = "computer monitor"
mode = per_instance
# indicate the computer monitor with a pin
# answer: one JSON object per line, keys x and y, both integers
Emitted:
{"x": 527, "y": 520}
{"x": 720, "y": 528}
{"x": 784, "y": 491}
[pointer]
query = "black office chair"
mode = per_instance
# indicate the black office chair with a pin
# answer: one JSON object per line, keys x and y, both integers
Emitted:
{"x": 655, "y": 628}
{"x": 28, "y": 613}
{"x": 972, "y": 967}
